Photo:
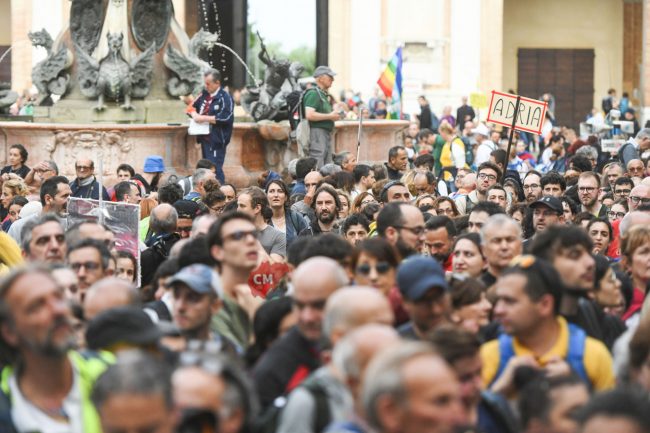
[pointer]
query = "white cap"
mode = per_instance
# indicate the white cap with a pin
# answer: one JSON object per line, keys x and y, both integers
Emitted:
{"x": 482, "y": 130}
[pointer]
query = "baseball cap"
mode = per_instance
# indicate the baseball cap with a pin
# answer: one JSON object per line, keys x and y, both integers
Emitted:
{"x": 323, "y": 70}
{"x": 482, "y": 130}
{"x": 551, "y": 202}
{"x": 154, "y": 164}
{"x": 198, "y": 277}
{"x": 129, "y": 325}
{"x": 417, "y": 275}
{"x": 187, "y": 208}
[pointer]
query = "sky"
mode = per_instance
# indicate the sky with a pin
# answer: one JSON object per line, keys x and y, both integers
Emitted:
{"x": 292, "y": 30}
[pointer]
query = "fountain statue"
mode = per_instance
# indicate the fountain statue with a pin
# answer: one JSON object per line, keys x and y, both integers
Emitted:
{"x": 114, "y": 77}
{"x": 50, "y": 76}
{"x": 136, "y": 66}
{"x": 269, "y": 101}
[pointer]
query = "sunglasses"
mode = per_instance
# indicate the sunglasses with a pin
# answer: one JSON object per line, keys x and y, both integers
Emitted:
{"x": 242, "y": 234}
{"x": 381, "y": 268}
{"x": 89, "y": 266}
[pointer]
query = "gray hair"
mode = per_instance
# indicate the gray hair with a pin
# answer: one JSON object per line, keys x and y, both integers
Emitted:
{"x": 644, "y": 133}
{"x": 135, "y": 372}
{"x": 31, "y": 224}
{"x": 166, "y": 225}
{"x": 384, "y": 377}
{"x": 329, "y": 169}
{"x": 588, "y": 151}
{"x": 498, "y": 220}
{"x": 339, "y": 158}
{"x": 214, "y": 74}
{"x": 199, "y": 175}
{"x": 53, "y": 166}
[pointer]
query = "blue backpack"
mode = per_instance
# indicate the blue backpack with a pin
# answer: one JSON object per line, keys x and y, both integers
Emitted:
{"x": 575, "y": 355}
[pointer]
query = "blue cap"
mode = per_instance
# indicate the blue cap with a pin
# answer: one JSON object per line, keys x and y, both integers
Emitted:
{"x": 154, "y": 164}
{"x": 198, "y": 277}
{"x": 417, "y": 275}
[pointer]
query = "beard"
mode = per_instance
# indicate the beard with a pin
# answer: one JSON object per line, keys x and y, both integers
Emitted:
{"x": 49, "y": 347}
{"x": 441, "y": 258}
{"x": 588, "y": 202}
{"x": 326, "y": 217}
{"x": 404, "y": 249}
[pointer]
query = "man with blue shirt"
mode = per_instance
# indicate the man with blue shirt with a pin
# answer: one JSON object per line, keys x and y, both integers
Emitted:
{"x": 214, "y": 106}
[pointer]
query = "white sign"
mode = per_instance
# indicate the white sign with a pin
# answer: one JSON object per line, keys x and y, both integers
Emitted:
{"x": 530, "y": 116}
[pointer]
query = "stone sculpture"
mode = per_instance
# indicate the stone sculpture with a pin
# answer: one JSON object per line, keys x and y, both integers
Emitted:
{"x": 150, "y": 22}
{"x": 113, "y": 77}
{"x": 86, "y": 18}
{"x": 269, "y": 101}
{"x": 50, "y": 76}
{"x": 7, "y": 97}
{"x": 188, "y": 70}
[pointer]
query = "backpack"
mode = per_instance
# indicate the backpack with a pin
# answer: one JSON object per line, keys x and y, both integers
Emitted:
{"x": 621, "y": 150}
{"x": 469, "y": 155}
{"x": 575, "y": 354}
{"x": 269, "y": 421}
{"x": 297, "y": 117}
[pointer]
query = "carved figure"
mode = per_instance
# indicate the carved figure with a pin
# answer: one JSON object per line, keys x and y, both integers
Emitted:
{"x": 150, "y": 22}
{"x": 113, "y": 77}
{"x": 86, "y": 18}
{"x": 50, "y": 76}
{"x": 188, "y": 70}
{"x": 7, "y": 97}
{"x": 280, "y": 78}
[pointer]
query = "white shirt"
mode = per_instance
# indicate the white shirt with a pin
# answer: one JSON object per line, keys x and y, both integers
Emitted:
{"x": 29, "y": 418}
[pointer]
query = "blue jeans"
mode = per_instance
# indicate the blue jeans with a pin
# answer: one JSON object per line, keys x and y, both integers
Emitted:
{"x": 217, "y": 154}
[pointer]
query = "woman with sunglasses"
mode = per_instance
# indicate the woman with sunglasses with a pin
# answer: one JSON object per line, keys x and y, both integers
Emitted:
{"x": 375, "y": 264}
{"x": 446, "y": 206}
{"x": 284, "y": 219}
{"x": 361, "y": 201}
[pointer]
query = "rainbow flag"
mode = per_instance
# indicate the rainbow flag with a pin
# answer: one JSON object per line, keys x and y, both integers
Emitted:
{"x": 390, "y": 82}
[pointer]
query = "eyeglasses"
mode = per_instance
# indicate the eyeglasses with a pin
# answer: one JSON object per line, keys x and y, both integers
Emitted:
{"x": 613, "y": 214}
{"x": 484, "y": 176}
{"x": 532, "y": 186}
{"x": 187, "y": 229}
{"x": 218, "y": 209}
{"x": 417, "y": 231}
{"x": 242, "y": 234}
{"x": 89, "y": 266}
{"x": 83, "y": 167}
{"x": 636, "y": 199}
{"x": 380, "y": 267}
{"x": 588, "y": 189}
{"x": 622, "y": 191}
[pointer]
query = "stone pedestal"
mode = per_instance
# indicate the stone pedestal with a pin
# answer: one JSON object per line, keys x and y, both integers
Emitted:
{"x": 253, "y": 148}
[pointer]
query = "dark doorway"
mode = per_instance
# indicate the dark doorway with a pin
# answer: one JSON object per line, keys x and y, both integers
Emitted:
{"x": 568, "y": 74}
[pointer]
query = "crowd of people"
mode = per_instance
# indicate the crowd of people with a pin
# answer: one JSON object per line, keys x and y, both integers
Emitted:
{"x": 452, "y": 287}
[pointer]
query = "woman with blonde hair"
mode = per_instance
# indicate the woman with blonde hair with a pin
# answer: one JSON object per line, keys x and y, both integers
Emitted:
{"x": 11, "y": 188}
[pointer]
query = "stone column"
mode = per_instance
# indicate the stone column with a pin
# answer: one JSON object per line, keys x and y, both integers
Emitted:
{"x": 21, "y": 53}
{"x": 645, "y": 67}
{"x": 491, "y": 36}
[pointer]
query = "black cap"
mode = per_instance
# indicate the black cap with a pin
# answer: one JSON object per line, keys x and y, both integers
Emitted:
{"x": 549, "y": 201}
{"x": 187, "y": 209}
{"x": 129, "y": 325}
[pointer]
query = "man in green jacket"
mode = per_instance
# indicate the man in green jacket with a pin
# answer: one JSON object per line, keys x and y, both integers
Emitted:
{"x": 45, "y": 386}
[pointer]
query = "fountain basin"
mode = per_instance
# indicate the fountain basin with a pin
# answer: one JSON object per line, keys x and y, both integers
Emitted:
{"x": 253, "y": 148}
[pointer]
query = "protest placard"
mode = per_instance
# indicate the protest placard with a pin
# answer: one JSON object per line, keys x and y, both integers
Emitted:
{"x": 607, "y": 145}
{"x": 478, "y": 100}
{"x": 530, "y": 117}
{"x": 121, "y": 218}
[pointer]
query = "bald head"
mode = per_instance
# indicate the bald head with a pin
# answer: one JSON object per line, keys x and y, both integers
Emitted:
{"x": 354, "y": 351}
{"x": 469, "y": 182}
{"x": 109, "y": 293}
{"x": 314, "y": 281}
{"x": 632, "y": 219}
{"x": 354, "y": 306}
{"x": 163, "y": 218}
{"x": 638, "y": 195}
{"x": 313, "y": 177}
